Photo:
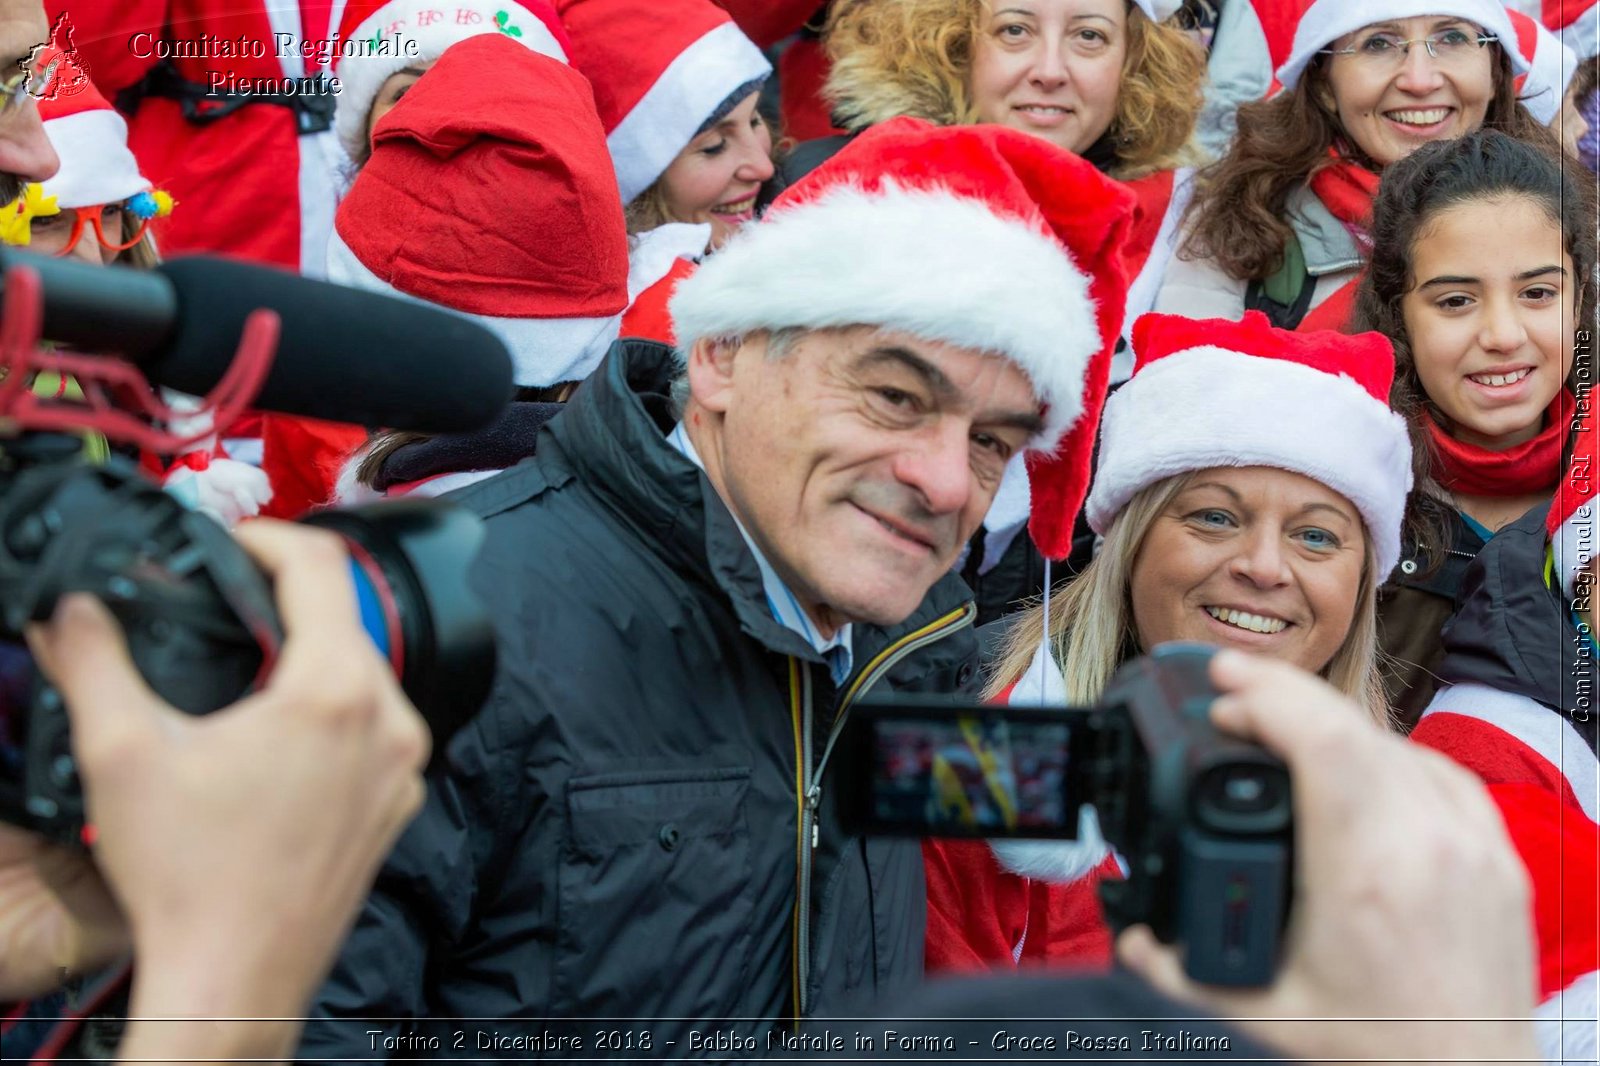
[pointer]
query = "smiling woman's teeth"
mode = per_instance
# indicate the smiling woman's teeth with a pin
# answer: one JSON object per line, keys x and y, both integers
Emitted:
{"x": 1497, "y": 380}
{"x": 1429, "y": 117}
{"x": 1255, "y": 623}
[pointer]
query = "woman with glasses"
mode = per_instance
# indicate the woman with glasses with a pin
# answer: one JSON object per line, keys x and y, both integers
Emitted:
{"x": 99, "y": 209}
{"x": 1281, "y": 223}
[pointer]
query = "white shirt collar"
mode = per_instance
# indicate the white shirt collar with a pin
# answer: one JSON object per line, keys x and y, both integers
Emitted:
{"x": 786, "y": 610}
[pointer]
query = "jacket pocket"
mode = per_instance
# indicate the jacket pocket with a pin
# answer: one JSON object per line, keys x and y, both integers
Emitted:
{"x": 654, "y": 897}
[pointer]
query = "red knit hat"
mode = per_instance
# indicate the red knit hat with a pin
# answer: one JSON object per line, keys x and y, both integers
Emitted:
{"x": 1572, "y": 521}
{"x": 978, "y": 236}
{"x": 1221, "y": 393}
{"x": 495, "y": 197}
{"x": 383, "y": 37}
{"x": 661, "y": 69}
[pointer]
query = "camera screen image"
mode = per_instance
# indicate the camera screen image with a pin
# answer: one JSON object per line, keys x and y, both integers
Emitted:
{"x": 971, "y": 775}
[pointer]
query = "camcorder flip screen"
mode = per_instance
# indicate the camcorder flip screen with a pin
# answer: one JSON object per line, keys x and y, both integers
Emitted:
{"x": 967, "y": 770}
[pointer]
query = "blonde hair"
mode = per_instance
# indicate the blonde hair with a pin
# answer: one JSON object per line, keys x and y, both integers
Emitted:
{"x": 649, "y": 209}
{"x": 912, "y": 57}
{"x": 1091, "y": 619}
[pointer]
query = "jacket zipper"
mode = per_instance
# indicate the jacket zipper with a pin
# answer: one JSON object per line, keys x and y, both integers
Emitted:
{"x": 810, "y": 792}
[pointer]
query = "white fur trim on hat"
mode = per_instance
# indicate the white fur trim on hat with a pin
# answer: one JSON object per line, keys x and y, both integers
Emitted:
{"x": 544, "y": 351}
{"x": 1328, "y": 20}
{"x": 97, "y": 167}
{"x": 651, "y": 254}
{"x": 669, "y": 115}
{"x": 1210, "y": 407}
{"x": 927, "y": 262}
{"x": 361, "y": 76}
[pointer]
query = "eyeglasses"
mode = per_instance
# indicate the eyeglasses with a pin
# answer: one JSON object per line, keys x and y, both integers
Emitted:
{"x": 1387, "y": 51}
{"x": 102, "y": 217}
{"x": 25, "y": 85}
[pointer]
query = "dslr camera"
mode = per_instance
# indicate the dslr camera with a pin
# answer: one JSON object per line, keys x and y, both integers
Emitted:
{"x": 199, "y": 617}
{"x": 1202, "y": 822}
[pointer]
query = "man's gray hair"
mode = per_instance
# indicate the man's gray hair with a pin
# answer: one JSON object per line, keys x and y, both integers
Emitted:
{"x": 780, "y": 342}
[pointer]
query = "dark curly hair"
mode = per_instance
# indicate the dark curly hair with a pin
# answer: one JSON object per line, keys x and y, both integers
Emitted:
{"x": 1486, "y": 165}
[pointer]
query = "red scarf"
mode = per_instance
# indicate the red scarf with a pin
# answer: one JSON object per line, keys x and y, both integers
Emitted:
{"x": 1347, "y": 190}
{"x": 1527, "y": 467}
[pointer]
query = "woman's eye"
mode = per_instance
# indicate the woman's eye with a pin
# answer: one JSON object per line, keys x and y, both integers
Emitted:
{"x": 48, "y": 222}
{"x": 1540, "y": 293}
{"x": 1213, "y": 518}
{"x": 1379, "y": 44}
{"x": 1453, "y": 38}
{"x": 1319, "y": 538}
{"x": 1092, "y": 37}
{"x": 1453, "y": 303}
{"x": 1014, "y": 31}
{"x": 715, "y": 149}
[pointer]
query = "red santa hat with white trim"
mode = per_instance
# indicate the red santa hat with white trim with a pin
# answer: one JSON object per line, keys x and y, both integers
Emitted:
{"x": 495, "y": 198}
{"x": 663, "y": 71}
{"x": 1572, "y": 522}
{"x": 979, "y": 236}
{"x": 1208, "y": 393}
{"x": 383, "y": 37}
{"x": 1325, "y": 21}
{"x": 1577, "y": 21}
{"x": 91, "y": 139}
{"x": 1551, "y": 65}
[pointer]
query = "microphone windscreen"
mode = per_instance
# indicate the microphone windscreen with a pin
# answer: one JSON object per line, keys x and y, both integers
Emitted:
{"x": 344, "y": 354}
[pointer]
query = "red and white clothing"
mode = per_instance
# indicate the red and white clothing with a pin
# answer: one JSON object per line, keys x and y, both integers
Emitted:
{"x": 1542, "y": 776}
{"x": 234, "y": 172}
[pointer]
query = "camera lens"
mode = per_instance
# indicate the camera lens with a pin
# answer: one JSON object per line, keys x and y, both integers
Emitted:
{"x": 1243, "y": 798}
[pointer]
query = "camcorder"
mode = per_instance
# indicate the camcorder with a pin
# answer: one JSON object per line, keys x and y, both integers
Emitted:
{"x": 199, "y": 616}
{"x": 1202, "y": 821}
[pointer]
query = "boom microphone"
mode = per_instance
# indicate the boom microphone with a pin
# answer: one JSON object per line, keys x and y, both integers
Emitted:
{"x": 343, "y": 354}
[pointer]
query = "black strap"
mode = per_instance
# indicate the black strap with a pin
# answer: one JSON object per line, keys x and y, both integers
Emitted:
{"x": 312, "y": 101}
{"x": 1283, "y": 316}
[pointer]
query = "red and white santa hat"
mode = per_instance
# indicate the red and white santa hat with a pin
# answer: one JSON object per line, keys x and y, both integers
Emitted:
{"x": 1572, "y": 523}
{"x": 662, "y": 70}
{"x": 981, "y": 237}
{"x": 91, "y": 139}
{"x": 1577, "y": 21}
{"x": 1551, "y": 65}
{"x": 1208, "y": 393}
{"x": 495, "y": 197}
{"x": 395, "y": 34}
{"x": 1325, "y": 21}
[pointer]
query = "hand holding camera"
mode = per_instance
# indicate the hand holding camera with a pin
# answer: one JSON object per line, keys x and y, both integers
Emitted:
{"x": 230, "y": 828}
{"x": 1407, "y": 890}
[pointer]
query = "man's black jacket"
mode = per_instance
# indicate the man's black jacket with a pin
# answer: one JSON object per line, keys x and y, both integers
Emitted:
{"x": 619, "y": 832}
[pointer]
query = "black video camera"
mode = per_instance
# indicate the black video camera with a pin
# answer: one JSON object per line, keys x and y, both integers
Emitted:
{"x": 200, "y": 619}
{"x": 1202, "y": 821}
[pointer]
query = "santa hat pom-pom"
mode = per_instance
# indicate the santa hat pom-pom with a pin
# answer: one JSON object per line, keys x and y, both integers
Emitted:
{"x": 150, "y": 204}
